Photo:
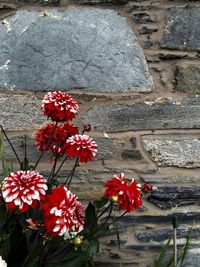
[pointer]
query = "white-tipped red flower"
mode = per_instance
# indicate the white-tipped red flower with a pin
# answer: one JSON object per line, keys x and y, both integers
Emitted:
{"x": 62, "y": 212}
{"x": 23, "y": 189}
{"x": 59, "y": 106}
{"x": 81, "y": 146}
{"x": 128, "y": 196}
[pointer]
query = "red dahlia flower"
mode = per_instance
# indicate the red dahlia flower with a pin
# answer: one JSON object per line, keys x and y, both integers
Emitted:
{"x": 50, "y": 138}
{"x": 62, "y": 211}
{"x": 59, "y": 106}
{"x": 23, "y": 189}
{"x": 81, "y": 146}
{"x": 128, "y": 195}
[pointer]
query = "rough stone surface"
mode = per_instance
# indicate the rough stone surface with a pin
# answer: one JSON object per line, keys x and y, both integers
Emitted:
{"x": 128, "y": 154}
{"x": 32, "y": 152}
{"x": 119, "y": 117}
{"x": 106, "y": 150}
{"x": 171, "y": 179}
{"x": 133, "y": 142}
{"x": 181, "y": 153}
{"x": 91, "y": 49}
{"x": 94, "y": 2}
{"x": 168, "y": 197}
{"x": 188, "y": 78}
{"x": 146, "y": 30}
{"x": 142, "y": 17}
{"x": 192, "y": 258}
{"x": 164, "y": 234}
{"x": 20, "y": 112}
{"x": 132, "y": 220}
{"x": 182, "y": 30}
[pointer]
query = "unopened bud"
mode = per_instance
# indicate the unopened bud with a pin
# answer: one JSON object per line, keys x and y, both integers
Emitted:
{"x": 114, "y": 199}
{"x": 78, "y": 240}
{"x": 87, "y": 127}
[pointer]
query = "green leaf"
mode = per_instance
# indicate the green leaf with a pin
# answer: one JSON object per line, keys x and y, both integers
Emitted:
{"x": 186, "y": 247}
{"x": 91, "y": 246}
{"x": 5, "y": 246}
{"x": 100, "y": 203}
{"x": 170, "y": 261}
{"x": 90, "y": 218}
{"x": 102, "y": 229}
{"x": 72, "y": 259}
{"x": 159, "y": 262}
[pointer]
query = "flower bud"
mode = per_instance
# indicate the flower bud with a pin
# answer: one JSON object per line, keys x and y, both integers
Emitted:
{"x": 78, "y": 240}
{"x": 87, "y": 127}
{"x": 114, "y": 199}
{"x": 147, "y": 187}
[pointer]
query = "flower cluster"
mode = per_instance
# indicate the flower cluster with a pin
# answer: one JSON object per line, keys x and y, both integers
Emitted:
{"x": 53, "y": 137}
{"x": 60, "y": 136}
{"x": 50, "y": 210}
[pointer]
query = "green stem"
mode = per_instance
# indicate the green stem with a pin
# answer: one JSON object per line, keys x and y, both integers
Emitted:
{"x": 104, "y": 210}
{"x": 107, "y": 218}
{"x": 25, "y": 154}
{"x": 12, "y": 147}
{"x": 35, "y": 242}
{"x": 60, "y": 167}
{"x": 70, "y": 176}
{"x": 51, "y": 175}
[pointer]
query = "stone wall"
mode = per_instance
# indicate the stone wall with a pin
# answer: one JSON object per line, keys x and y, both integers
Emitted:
{"x": 134, "y": 68}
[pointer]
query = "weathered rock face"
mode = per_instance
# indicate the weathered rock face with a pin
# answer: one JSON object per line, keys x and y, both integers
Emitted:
{"x": 181, "y": 153}
{"x": 169, "y": 197}
{"x": 20, "y": 112}
{"x": 164, "y": 234}
{"x": 182, "y": 28}
{"x": 188, "y": 78}
{"x": 92, "y": 49}
{"x": 119, "y": 117}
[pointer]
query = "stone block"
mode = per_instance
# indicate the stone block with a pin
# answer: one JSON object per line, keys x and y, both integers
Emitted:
{"x": 188, "y": 78}
{"x": 106, "y": 150}
{"x": 142, "y": 17}
{"x": 128, "y": 154}
{"x": 182, "y": 29}
{"x": 86, "y": 48}
{"x": 179, "y": 153}
{"x": 20, "y": 112}
{"x": 167, "y": 115}
{"x": 168, "y": 197}
{"x": 164, "y": 234}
